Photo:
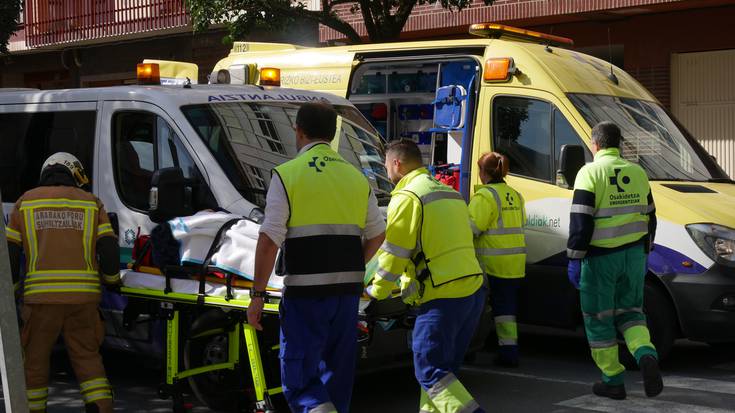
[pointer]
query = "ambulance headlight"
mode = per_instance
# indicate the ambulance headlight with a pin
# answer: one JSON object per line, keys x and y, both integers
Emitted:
{"x": 717, "y": 241}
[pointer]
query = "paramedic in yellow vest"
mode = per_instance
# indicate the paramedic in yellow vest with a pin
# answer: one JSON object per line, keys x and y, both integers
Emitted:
{"x": 428, "y": 249}
{"x": 498, "y": 215}
{"x": 70, "y": 250}
{"x": 611, "y": 230}
{"x": 322, "y": 211}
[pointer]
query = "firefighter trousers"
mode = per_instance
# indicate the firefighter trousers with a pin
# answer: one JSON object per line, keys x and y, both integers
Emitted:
{"x": 83, "y": 332}
{"x": 611, "y": 294}
{"x": 441, "y": 336}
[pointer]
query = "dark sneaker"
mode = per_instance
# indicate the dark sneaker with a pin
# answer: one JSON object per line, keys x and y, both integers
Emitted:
{"x": 652, "y": 382}
{"x": 505, "y": 362}
{"x": 616, "y": 392}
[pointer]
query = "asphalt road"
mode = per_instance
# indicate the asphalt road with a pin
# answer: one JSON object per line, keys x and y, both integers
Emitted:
{"x": 555, "y": 376}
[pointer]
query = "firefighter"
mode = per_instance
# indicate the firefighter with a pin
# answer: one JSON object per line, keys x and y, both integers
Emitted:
{"x": 70, "y": 250}
{"x": 498, "y": 216}
{"x": 429, "y": 249}
{"x": 319, "y": 208}
{"x": 611, "y": 230}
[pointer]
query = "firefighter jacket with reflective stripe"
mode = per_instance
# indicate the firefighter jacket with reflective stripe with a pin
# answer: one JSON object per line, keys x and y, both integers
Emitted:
{"x": 58, "y": 228}
{"x": 612, "y": 206}
{"x": 328, "y": 201}
{"x": 498, "y": 215}
{"x": 428, "y": 243}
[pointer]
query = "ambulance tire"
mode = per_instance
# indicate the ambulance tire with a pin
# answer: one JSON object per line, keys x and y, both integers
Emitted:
{"x": 662, "y": 319}
{"x": 220, "y": 390}
{"x": 662, "y": 323}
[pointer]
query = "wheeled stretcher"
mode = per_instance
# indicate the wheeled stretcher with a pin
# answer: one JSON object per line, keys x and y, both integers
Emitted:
{"x": 181, "y": 295}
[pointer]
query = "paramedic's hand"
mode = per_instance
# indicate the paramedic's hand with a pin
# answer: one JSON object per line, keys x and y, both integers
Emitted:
{"x": 369, "y": 292}
{"x": 574, "y": 272}
{"x": 255, "y": 309}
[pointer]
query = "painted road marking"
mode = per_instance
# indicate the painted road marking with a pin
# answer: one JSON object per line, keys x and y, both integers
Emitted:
{"x": 693, "y": 383}
{"x": 523, "y": 376}
{"x": 635, "y": 405}
{"x": 725, "y": 366}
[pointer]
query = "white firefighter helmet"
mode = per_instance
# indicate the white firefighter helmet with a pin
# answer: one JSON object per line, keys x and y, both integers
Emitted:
{"x": 71, "y": 163}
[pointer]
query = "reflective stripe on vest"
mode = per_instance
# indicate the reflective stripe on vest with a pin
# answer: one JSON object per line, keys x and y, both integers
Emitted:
{"x": 62, "y": 288}
{"x": 500, "y": 229}
{"x": 324, "y": 229}
{"x": 439, "y": 195}
{"x": 612, "y": 212}
{"x": 500, "y": 251}
{"x": 328, "y": 201}
{"x": 13, "y": 235}
{"x": 618, "y": 231}
{"x": 445, "y": 234}
{"x": 396, "y": 250}
{"x": 304, "y": 280}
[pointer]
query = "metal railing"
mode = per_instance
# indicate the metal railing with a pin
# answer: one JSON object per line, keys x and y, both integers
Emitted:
{"x": 50, "y": 22}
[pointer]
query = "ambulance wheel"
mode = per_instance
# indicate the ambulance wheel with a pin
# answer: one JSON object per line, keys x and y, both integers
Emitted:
{"x": 220, "y": 390}
{"x": 662, "y": 319}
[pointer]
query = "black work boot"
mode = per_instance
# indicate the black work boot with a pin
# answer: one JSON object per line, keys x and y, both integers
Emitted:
{"x": 613, "y": 391}
{"x": 91, "y": 408}
{"x": 652, "y": 381}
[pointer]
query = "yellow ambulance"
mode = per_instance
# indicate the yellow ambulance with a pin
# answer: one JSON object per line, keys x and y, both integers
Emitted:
{"x": 529, "y": 95}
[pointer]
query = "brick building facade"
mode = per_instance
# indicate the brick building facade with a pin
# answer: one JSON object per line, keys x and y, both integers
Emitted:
{"x": 86, "y": 43}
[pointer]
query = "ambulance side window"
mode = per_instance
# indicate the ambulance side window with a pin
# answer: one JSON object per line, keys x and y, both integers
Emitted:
{"x": 28, "y": 138}
{"x": 522, "y": 131}
{"x": 564, "y": 134}
{"x": 143, "y": 143}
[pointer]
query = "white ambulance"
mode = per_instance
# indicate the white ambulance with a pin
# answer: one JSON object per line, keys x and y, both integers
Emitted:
{"x": 225, "y": 139}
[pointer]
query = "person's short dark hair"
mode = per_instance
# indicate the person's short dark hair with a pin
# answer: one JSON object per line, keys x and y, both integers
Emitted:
{"x": 406, "y": 150}
{"x": 317, "y": 120}
{"x": 607, "y": 135}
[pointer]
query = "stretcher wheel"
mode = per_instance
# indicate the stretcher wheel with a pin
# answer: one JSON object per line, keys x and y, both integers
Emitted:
{"x": 220, "y": 390}
{"x": 163, "y": 393}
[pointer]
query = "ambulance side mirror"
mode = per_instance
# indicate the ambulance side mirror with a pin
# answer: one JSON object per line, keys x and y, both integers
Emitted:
{"x": 571, "y": 160}
{"x": 170, "y": 196}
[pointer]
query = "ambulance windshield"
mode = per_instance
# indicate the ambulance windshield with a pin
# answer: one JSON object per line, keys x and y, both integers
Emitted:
{"x": 249, "y": 139}
{"x": 651, "y": 138}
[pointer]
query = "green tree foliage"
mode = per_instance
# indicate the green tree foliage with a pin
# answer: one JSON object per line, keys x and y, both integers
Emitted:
{"x": 9, "y": 12}
{"x": 384, "y": 19}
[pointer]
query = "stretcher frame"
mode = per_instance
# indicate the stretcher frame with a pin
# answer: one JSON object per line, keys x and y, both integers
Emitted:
{"x": 171, "y": 305}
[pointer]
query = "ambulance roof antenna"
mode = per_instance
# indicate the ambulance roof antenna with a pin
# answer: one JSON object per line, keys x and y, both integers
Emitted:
{"x": 611, "y": 76}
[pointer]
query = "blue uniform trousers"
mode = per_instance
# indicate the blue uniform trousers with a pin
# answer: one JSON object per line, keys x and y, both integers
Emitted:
{"x": 504, "y": 301}
{"x": 318, "y": 352}
{"x": 441, "y": 336}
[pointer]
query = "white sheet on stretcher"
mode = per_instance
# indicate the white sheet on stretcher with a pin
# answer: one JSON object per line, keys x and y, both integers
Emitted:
{"x": 132, "y": 279}
{"x": 154, "y": 282}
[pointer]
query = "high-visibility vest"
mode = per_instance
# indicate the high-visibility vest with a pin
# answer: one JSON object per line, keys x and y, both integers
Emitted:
{"x": 499, "y": 242}
{"x": 444, "y": 247}
{"x": 58, "y": 228}
{"x": 621, "y": 192}
{"x": 328, "y": 201}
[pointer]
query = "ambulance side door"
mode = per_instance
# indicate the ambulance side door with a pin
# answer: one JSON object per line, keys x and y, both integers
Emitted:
{"x": 139, "y": 138}
{"x": 530, "y": 126}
